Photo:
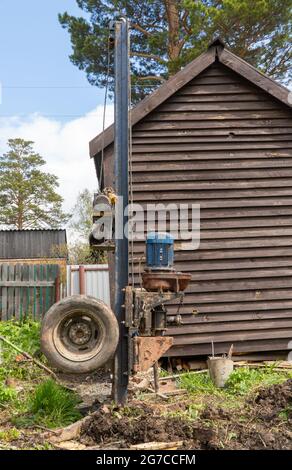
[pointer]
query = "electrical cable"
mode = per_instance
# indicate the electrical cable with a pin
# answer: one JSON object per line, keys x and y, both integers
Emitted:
{"x": 105, "y": 106}
{"x": 131, "y": 167}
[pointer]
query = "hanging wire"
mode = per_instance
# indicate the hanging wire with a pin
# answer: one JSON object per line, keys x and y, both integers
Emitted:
{"x": 131, "y": 167}
{"x": 105, "y": 104}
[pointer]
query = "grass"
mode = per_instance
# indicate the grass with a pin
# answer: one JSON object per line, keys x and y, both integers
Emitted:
{"x": 26, "y": 335}
{"x": 242, "y": 382}
{"x": 245, "y": 380}
{"x": 32, "y": 399}
{"x": 53, "y": 405}
{"x": 9, "y": 435}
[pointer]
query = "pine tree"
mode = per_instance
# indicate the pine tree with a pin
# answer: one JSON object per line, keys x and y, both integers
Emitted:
{"x": 168, "y": 34}
{"x": 28, "y": 197}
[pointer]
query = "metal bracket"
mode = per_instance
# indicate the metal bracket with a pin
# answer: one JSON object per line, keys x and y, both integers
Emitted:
{"x": 148, "y": 349}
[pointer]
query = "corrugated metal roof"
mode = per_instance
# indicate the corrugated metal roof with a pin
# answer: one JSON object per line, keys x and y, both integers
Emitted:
{"x": 30, "y": 244}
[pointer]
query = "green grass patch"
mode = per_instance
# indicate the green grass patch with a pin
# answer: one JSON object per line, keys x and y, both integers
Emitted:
{"x": 9, "y": 435}
{"x": 242, "y": 381}
{"x": 53, "y": 406}
{"x": 245, "y": 380}
{"x": 26, "y": 336}
{"x": 35, "y": 399}
{"x": 198, "y": 383}
{"x": 7, "y": 394}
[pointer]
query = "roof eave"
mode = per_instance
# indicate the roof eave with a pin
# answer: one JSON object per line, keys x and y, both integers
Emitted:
{"x": 216, "y": 51}
{"x": 156, "y": 98}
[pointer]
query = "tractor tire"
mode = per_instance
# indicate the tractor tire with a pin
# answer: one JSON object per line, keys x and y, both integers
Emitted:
{"x": 79, "y": 334}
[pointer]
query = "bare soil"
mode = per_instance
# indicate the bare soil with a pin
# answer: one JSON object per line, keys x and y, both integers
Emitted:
{"x": 262, "y": 423}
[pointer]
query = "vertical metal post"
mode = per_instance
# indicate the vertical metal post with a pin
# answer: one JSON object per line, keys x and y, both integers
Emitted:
{"x": 120, "y": 382}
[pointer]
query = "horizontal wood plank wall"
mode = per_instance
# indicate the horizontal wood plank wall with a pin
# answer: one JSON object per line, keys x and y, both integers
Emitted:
{"x": 27, "y": 290}
{"x": 225, "y": 144}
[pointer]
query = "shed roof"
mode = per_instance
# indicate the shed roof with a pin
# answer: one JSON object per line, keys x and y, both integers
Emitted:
{"x": 31, "y": 244}
{"x": 216, "y": 52}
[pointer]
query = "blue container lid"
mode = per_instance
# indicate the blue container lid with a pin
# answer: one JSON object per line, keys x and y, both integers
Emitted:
{"x": 161, "y": 237}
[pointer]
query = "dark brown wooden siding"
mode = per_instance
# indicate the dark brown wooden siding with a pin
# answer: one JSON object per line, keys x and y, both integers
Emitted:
{"x": 223, "y": 143}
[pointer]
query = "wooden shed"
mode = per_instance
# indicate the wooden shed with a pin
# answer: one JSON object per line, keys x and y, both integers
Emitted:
{"x": 219, "y": 133}
{"x": 32, "y": 271}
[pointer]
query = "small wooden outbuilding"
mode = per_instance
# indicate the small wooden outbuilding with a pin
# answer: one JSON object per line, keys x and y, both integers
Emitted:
{"x": 219, "y": 133}
{"x": 32, "y": 272}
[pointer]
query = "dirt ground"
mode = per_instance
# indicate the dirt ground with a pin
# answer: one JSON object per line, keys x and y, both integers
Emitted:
{"x": 261, "y": 422}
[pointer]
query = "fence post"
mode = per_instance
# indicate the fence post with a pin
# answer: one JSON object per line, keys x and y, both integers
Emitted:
{"x": 82, "y": 280}
{"x": 57, "y": 288}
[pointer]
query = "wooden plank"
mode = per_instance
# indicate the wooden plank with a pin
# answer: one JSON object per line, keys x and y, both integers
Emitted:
{"x": 219, "y": 124}
{"x": 47, "y": 290}
{"x": 195, "y": 196}
{"x": 246, "y": 346}
{"x": 212, "y": 175}
{"x": 255, "y": 183}
{"x": 229, "y": 203}
{"x": 226, "y": 79}
{"x": 229, "y": 233}
{"x": 257, "y": 105}
{"x": 228, "y": 285}
{"x": 41, "y": 294}
{"x": 239, "y": 243}
{"x": 33, "y": 283}
{"x": 209, "y": 311}
{"x": 239, "y": 296}
{"x": 11, "y": 298}
{"x": 17, "y": 291}
{"x": 216, "y": 70}
{"x": 245, "y": 96}
{"x": 212, "y": 165}
{"x": 228, "y": 145}
{"x": 231, "y": 254}
{"x": 242, "y": 274}
{"x": 237, "y": 131}
{"x": 4, "y": 277}
{"x": 218, "y": 88}
{"x": 235, "y": 336}
{"x": 237, "y": 274}
{"x": 213, "y": 137}
{"x": 236, "y": 327}
{"x": 218, "y": 116}
{"x": 234, "y": 317}
{"x": 31, "y": 291}
{"x": 25, "y": 293}
{"x": 201, "y": 154}
{"x": 210, "y": 268}
{"x": 220, "y": 213}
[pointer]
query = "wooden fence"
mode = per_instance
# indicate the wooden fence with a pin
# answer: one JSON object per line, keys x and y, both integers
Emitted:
{"x": 28, "y": 289}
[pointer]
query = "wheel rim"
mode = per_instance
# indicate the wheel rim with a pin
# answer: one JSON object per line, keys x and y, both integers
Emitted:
{"x": 79, "y": 336}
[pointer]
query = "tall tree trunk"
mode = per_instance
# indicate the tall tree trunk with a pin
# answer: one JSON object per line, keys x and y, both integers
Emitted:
{"x": 174, "y": 44}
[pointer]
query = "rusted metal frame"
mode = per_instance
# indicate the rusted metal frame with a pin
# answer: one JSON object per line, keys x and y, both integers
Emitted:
{"x": 148, "y": 349}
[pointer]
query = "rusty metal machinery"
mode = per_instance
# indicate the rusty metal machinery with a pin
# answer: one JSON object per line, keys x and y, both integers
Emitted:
{"x": 146, "y": 311}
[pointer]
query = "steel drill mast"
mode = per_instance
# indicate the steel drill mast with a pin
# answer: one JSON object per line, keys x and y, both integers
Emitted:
{"x": 121, "y": 372}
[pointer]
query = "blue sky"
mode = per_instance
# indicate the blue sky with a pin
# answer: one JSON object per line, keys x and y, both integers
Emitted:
{"x": 34, "y": 52}
{"x": 45, "y": 98}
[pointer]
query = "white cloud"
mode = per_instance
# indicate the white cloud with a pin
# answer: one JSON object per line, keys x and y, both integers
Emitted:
{"x": 64, "y": 146}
